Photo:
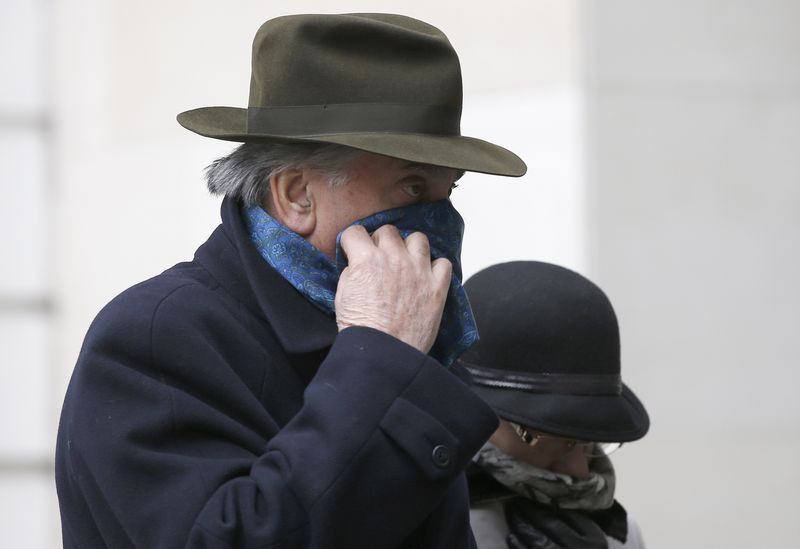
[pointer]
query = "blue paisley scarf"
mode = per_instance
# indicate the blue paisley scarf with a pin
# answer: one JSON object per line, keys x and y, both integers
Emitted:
{"x": 315, "y": 276}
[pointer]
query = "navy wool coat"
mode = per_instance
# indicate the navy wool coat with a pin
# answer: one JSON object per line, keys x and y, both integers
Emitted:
{"x": 214, "y": 406}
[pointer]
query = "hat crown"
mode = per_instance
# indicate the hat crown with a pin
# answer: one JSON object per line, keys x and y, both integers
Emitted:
{"x": 380, "y": 83}
{"x": 554, "y": 321}
{"x": 548, "y": 356}
{"x": 353, "y": 58}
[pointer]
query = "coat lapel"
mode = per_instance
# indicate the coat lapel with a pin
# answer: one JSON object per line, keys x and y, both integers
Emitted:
{"x": 230, "y": 256}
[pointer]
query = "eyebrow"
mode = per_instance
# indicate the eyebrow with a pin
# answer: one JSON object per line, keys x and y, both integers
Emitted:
{"x": 406, "y": 165}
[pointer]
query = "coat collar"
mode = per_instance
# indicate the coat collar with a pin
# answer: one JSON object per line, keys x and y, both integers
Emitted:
{"x": 233, "y": 260}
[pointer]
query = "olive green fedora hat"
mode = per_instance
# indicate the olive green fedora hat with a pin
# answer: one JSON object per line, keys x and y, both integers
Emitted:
{"x": 382, "y": 83}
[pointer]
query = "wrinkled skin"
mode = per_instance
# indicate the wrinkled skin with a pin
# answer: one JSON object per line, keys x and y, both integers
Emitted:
{"x": 392, "y": 285}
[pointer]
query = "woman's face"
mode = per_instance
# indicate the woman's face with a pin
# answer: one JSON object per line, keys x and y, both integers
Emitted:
{"x": 556, "y": 454}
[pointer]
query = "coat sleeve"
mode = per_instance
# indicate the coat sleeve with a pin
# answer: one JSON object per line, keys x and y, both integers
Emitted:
{"x": 168, "y": 450}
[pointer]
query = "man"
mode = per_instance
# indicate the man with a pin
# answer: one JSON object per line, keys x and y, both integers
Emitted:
{"x": 293, "y": 385}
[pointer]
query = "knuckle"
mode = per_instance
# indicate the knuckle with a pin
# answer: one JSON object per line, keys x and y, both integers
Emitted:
{"x": 422, "y": 237}
{"x": 357, "y": 230}
{"x": 419, "y": 239}
{"x": 352, "y": 232}
{"x": 386, "y": 230}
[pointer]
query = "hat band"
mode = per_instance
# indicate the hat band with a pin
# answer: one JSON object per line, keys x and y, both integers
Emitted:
{"x": 565, "y": 384}
{"x": 310, "y": 120}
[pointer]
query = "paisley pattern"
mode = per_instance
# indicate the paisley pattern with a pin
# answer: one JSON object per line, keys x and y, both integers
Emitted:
{"x": 306, "y": 268}
{"x": 315, "y": 276}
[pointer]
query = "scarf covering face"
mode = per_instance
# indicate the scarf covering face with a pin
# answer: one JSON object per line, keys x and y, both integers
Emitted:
{"x": 315, "y": 276}
{"x": 593, "y": 493}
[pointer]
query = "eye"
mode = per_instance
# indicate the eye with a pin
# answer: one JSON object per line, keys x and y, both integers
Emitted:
{"x": 414, "y": 189}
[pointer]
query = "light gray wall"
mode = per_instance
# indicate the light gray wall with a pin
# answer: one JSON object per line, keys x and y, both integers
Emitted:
{"x": 693, "y": 149}
{"x": 26, "y": 290}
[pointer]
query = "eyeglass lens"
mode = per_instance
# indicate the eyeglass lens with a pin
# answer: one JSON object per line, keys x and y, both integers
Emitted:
{"x": 554, "y": 445}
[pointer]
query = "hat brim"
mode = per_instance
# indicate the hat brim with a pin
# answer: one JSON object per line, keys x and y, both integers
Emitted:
{"x": 458, "y": 152}
{"x": 593, "y": 418}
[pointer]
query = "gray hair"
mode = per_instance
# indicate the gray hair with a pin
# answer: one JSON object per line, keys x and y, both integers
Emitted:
{"x": 245, "y": 172}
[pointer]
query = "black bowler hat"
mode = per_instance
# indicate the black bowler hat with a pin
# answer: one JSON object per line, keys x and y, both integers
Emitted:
{"x": 378, "y": 82}
{"x": 548, "y": 355}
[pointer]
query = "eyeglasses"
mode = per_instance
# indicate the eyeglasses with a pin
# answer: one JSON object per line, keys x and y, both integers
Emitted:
{"x": 557, "y": 447}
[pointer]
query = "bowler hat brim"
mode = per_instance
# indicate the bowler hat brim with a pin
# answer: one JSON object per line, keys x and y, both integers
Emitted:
{"x": 449, "y": 151}
{"x": 594, "y": 418}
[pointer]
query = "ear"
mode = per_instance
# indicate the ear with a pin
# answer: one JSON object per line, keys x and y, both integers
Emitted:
{"x": 291, "y": 203}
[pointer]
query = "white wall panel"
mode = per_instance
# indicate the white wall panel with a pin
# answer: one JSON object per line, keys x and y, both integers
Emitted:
{"x": 26, "y": 430}
{"x": 27, "y": 508}
{"x": 723, "y": 490}
{"x": 23, "y": 214}
{"x": 540, "y": 215}
{"x": 694, "y": 194}
{"x": 25, "y": 400}
{"x": 697, "y": 222}
{"x": 659, "y": 45}
{"x": 23, "y": 25}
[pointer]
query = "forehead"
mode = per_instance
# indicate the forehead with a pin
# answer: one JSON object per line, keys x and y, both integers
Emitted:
{"x": 386, "y": 167}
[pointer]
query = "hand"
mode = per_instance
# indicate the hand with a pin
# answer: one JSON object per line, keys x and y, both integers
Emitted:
{"x": 392, "y": 285}
{"x": 539, "y": 527}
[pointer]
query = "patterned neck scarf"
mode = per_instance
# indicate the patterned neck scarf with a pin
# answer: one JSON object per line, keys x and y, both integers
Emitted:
{"x": 315, "y": 276}
{"x": 593, "y": 493}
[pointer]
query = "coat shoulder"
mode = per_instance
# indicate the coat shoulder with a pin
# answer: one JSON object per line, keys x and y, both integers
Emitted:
{"x": 129, "y": 318}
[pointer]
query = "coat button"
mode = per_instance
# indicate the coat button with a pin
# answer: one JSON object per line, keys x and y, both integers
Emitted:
{"x": 441, "y": 456}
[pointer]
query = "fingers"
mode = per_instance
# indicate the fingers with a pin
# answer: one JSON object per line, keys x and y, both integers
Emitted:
{"x": 356, "y": 243}
{"x": 442, "y": 272}
{"x": 388, "y": 238}
{"x": 418, "y": 245}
